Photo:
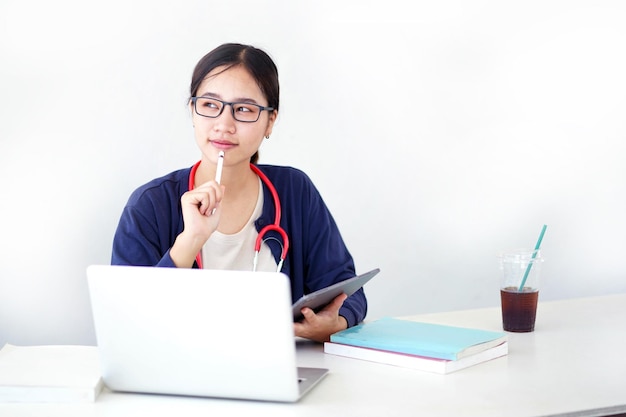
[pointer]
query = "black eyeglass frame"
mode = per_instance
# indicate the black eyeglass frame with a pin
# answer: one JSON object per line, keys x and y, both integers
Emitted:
{"x": 194, "y": 100}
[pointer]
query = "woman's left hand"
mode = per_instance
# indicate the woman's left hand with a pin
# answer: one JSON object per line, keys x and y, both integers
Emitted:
{"x": 320, "y": 326}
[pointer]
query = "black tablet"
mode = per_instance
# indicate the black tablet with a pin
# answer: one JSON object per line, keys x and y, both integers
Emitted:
{"x": 319, "y": 299}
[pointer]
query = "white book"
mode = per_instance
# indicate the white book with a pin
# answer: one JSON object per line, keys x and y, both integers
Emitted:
{"x": 50, "y": 373}
{"x": 422, "y": 363}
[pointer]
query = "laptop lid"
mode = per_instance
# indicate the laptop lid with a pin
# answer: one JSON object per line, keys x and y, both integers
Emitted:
{"x": 196, "y": 332}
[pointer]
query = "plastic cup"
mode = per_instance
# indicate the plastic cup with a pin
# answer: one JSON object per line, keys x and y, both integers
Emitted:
{"x": 519, "y": 305}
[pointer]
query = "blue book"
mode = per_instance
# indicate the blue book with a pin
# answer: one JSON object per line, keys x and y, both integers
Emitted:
{"x": 417, "y": 338}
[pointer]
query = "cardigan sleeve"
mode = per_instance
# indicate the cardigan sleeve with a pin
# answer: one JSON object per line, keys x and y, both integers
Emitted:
{"x": 150, "y": 223}
{"x": 136, "y": 242}
{"x": 318, "y": 255}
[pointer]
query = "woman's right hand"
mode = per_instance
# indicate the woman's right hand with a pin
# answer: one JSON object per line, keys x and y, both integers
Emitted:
{"x": 201, "y": 215}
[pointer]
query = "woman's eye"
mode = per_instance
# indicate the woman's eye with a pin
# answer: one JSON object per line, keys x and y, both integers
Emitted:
{"x": 243, "y": 109}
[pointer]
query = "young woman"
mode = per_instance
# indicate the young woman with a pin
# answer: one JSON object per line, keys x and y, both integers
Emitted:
{"x": 205, "y": 217}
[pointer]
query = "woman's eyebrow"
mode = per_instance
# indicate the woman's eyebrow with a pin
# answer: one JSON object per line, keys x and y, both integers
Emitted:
{"x": 236, "y": 100}
{"x": 212, "y": 95}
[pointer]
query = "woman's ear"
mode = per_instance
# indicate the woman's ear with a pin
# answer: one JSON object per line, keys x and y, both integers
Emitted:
{"x": 191, "y": 108}
{"x": 270, "y": 123}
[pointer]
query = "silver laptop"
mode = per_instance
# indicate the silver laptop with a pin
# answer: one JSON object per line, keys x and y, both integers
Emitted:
{"x": 208, "y": 333}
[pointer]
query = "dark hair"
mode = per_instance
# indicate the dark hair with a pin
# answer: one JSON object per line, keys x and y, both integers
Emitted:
{"x": 254, "y": 60}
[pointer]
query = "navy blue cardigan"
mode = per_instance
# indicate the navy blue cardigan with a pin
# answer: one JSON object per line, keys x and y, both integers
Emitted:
{"x": 317, "y": 257}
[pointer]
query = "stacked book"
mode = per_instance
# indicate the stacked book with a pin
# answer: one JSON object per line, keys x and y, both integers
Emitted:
{"x": 412, "y": 344}
{"x": 49, "y": 374}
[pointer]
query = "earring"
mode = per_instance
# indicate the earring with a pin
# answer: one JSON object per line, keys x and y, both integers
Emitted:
{"x": 267, "y": 137}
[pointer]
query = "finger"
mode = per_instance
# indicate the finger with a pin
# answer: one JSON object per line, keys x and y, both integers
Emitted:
{"x": 218, "y": 199}
{"x": 204, "y": 198}
{"x": 308, "y": 314}
{"x": 215, "y": 192}
{"x": 337, "y": 302}
{"x": 210, "y": 184}
{"x": 207, "y": 204}
{"x": 194, "y": 199}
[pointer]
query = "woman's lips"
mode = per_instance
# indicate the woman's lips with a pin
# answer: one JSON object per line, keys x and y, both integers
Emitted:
{"x": 222, "y": 144}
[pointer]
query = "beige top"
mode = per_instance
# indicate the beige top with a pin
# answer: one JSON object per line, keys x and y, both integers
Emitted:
{"x": 236, "y": 251}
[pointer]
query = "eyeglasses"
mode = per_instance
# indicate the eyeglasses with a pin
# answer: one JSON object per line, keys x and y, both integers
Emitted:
{"x": 242, "y": 112}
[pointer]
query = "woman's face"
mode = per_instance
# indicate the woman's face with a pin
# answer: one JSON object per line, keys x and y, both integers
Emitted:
{"x": 239, "y": 140}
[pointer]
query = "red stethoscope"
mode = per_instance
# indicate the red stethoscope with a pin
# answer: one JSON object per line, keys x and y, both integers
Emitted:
{"x": 275, "y": 226}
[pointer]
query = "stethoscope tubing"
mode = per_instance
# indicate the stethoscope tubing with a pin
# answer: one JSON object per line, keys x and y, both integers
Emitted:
{"x": 270, "y": 227}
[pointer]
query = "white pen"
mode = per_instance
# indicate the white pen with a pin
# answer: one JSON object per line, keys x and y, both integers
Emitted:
{"x": 220, "y": 165}
{"x": 218, "y": 172}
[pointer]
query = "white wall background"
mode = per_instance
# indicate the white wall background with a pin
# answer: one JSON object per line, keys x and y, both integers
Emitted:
{"x": 438, "y": 133}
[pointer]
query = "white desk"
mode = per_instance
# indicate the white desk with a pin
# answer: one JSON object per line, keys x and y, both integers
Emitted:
{"x": 572, "y": 364}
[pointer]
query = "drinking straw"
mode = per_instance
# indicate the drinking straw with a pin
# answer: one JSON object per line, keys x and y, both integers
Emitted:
{"x": 530, "y": 264}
